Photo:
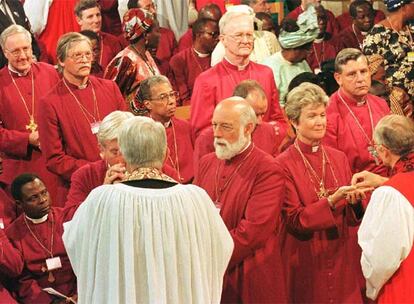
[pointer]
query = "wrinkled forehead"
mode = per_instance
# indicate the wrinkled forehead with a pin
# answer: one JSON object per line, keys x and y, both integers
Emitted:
{"x": 238, "y": 24}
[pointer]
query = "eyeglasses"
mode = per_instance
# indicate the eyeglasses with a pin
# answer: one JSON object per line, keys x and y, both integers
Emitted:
{"x": 212, "y": 34}
{"x": 16, "y": 53}
{"x": 165, "y": 97}
{"x": 77, "y": 57}
{"x": 239, "y": 37}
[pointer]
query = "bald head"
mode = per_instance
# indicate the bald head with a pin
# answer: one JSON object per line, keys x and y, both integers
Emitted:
{"x": 233, "y": 123}
{"x": 210, "y": 11}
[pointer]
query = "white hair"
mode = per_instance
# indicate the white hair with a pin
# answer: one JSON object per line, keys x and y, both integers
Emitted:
{"x": 236, "y": 12}
{"x": 111, "y": 124}
{"x": 13, "y": 30}
{"x": 143, "y": 142}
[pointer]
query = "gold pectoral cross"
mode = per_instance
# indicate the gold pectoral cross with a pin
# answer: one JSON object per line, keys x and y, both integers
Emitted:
{"x": 32, "y": 126}
{"x": 322, "y": 191}
{"x": 50, "y": 277}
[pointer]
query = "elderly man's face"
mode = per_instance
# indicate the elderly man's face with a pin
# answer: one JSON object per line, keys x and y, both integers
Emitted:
{"x": 90, "y": 19}
{"x": 78, "y": 60}
{"x": 110, "y": 152}
{"x": 230, "y": 137}
{"x": 35, "y": 200}
{"x": 163, "y": 102}
{"x": 355, "y": 78}
{"x": 238, "y": 37}
{"x": 18, "y": 52}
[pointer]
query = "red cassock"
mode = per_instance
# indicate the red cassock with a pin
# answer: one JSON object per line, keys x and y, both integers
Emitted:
{"x": 60, "y": 20}
{"x": 343, "y": 132}
{"x": 180, "y": 149}
{"x": 91, "y": 176}
{"x": 8, "y": 208}
{"x": 315, "y": 240}
{"x": 167, "y": 47}
{"x": 110, "y": 46}
{"x": 111, "y": 22}
{"x": 33, "y": 279}
{"x": 185, "y": 67}
{"x": 332, "y": 26}
{"x": 344, "y": 20}
{"x": 11, "y": 265}
{"x": 348, "y": 38}
{"x": 247, "y": 188}
{"x": 19, "y": 156}
{"x": 320, "y": 52}
{"x": 65, "y": 125}
{"x": 264, "y": 137}
{"x": 186, "y": 40}
{"x": 218, "y": 83}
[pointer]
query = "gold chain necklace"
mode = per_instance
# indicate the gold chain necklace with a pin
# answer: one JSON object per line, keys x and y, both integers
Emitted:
{"x": 175, "y": 164}
{"x": 83, "y": 108}
{"x": 32, "y": 126}
{"x": 322, "y": 191}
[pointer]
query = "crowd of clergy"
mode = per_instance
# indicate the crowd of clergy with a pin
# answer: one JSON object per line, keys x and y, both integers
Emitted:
{"x": 298, "y": 133}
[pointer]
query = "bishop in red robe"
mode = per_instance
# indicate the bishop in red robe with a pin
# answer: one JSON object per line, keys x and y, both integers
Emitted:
{"x": 69, "y": 118}
{"x": 219, "y": 82}
{"x": 17, "y": 99}
{"x": 315, "y": 239}
{"x": 352, "y": 133}
{"x": 322, "y": 50}
{"x": 243, "y": 182}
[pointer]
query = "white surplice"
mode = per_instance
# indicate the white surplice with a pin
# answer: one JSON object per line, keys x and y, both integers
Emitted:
{"x": 137, "y": 245}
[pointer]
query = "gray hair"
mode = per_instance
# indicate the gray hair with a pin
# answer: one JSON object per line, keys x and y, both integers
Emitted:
{"x": 13, "y": 30}
{"x": 396, "y": 133}
{"x": 143, "y": 142}
{"x": 111, "y": 124}
{"x": 146, "y": 85}
{"x": 305, "y": 94}
{"x": 246, "y": 87}
{"x": 346, "y": 55}
{"x": 227, "y": 18}
{"x": 247, "y": 115}
{"x": 65, "y": 43}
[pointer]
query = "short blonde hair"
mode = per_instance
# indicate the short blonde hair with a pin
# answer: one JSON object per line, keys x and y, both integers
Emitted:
{"x": 396, "y": 133}
{"x": 13, "y": 30}
{"x": 305, "y": 94}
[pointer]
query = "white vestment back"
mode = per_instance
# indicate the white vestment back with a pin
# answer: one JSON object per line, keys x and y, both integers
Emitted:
{"x": 137, "y": 245}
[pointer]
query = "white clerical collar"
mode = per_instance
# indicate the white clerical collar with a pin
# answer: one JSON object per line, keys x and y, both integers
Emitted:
{"x": 80, "y": 87}
{"x": 38, "y": 221}
{"x": 11, "y": 69}
{"x": 363, "y": 33}
{"x": 201, "y": 55}
{"x": 318, "y": 40}
{"x": 239, "y": 67}
{"x": 315, "y": 148}
{"x": 167, "y": 124}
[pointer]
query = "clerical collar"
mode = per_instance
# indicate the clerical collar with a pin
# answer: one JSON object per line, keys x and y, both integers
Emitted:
{"x": 239, "y": 67}
{"x": 306, "y": 148}
{"x": 74, "y": 86}
{"x": 38, "y": 221}
{"x": 363, "y": 33}
{"x": 351, "y": 100}
{"x": 11, "y": 69}
{"x": 201, "y": 55}
{"x": 167, "y": 124}
{"x": 319, "y": 40}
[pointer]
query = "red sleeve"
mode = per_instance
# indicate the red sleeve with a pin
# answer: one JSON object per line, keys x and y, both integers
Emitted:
{"x": 331, "y": 135}
{"x": 261, "y": 215}
{"x": 178, "y": 65}
{"x": 275, "y": 115}
{"x": 202, "y": 105}
{"x": 11, "y": 262}
{"x": 57, "y": 161}
{"x": 79, "y": 186}
{"x": 30, "y": 292}
{"x": 14, "y": 142}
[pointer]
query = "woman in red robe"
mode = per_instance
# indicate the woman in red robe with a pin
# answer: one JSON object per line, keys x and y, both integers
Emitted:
{"x": 317, "y": 246}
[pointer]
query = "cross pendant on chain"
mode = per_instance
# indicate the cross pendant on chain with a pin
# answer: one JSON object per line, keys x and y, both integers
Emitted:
{"x": 32, "y": 126}
{"x": 50, "y": 277}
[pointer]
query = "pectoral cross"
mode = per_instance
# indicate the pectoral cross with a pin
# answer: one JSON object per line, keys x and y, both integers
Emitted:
{"x": 32, "y": 126}
{"x": 374, "y": 154}
{"x": 51, "y": 277}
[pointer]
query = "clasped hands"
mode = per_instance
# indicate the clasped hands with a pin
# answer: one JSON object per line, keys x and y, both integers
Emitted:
{"x": 115, "y": 174}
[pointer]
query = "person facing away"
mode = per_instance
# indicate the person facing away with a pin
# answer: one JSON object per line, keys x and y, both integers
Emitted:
{"x": 157, "y": 241}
